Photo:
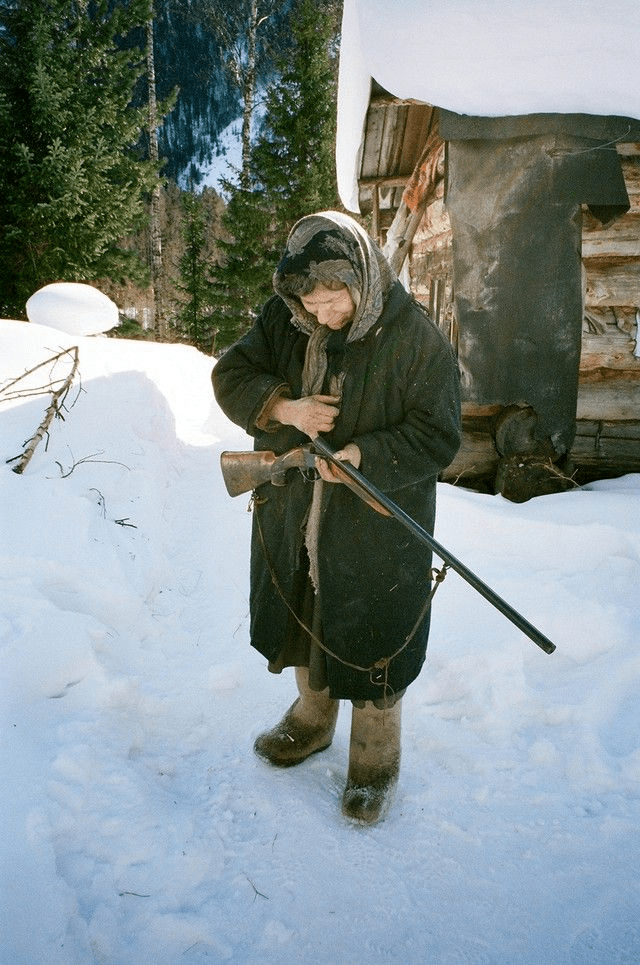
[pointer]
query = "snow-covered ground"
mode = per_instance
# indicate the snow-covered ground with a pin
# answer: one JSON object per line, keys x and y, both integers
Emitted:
{"x": 226, "y": 153}
{"x": 224, "y": 163}
{"x": 138, "y": 828}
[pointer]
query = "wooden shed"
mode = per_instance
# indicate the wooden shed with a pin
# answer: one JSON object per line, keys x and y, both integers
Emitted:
{"x": 402, "y": 190}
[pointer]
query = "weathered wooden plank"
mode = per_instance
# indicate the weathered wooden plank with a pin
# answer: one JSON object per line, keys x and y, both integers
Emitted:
{"x": 374, "y": 129}
{"x": 393, "y": 133}
{"x": 613, "y": 283}
{"x": 419, "y": 119}
{"x": 609, "y": 399}
{"x": 619, "y": 240}
{"x": 605, "y": 447}
{"x": 609, "y": 339}
{"x": 476, "y": 457}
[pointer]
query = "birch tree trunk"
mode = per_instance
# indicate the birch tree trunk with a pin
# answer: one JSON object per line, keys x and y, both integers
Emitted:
{"x": 248, "y": 97}
{"x": 159, "y": 322}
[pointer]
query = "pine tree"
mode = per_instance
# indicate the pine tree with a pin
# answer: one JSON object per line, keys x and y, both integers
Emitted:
{"x": 243, "y": 278}
{"x": 294, "y": 159}
{"x": 71, "y": 182}
{"x": 195, "y": 314}
{"x": 292, "y": 168}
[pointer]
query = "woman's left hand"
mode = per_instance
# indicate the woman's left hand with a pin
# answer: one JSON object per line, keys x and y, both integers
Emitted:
{"x": 350, "y": 453}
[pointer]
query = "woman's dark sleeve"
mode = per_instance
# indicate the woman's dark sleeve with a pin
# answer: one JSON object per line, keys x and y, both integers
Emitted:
{"x": 246, "y": 378}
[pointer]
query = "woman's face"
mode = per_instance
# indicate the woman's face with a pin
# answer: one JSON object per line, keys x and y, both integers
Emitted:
{"x": 331, "y": 308}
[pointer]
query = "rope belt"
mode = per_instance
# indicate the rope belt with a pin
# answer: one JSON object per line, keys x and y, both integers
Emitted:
{"x": 380, "y": 667}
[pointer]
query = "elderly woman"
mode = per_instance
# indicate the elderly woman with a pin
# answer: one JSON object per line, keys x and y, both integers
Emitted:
{"x": 337, "y": 590}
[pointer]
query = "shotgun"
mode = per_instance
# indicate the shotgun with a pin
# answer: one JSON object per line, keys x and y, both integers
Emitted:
{"x": 244, "y": 471}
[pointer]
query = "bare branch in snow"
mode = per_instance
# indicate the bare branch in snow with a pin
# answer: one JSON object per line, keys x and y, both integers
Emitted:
{"x": 92, "y": 458}
{"x": 58, "y": 397}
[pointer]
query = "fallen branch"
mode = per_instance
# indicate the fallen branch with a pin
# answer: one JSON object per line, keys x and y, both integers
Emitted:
{"x": 125, "y": 522}
{"x": 101, "y": 503}
{"x": 91, "y": 458}
{"x": 555, "y": 471}
{"x": 256, "y": 892}
{"x": 39, "y": 390}
{"x": 58, "y": 397}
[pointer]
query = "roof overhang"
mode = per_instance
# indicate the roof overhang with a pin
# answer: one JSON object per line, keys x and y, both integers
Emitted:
{"x": 491, "y": 59}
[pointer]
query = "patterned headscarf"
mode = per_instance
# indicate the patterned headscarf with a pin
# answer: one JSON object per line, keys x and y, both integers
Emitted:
{"x": 332, "y": 247}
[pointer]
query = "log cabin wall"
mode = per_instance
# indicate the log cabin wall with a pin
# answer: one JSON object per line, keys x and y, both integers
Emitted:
{"x": 608, "y": 428}
{"x": 608, "y": 415}
{"x": 607, "y": 440}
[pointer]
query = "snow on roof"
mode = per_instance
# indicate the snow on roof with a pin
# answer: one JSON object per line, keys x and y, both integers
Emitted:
{"x": 491, "y": 58}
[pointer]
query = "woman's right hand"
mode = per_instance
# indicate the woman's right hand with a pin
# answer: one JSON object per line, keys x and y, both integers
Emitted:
{"x": 312, "y": 414}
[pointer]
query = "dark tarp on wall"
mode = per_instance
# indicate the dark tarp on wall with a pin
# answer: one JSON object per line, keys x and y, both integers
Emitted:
{"x": 514, "y": 192}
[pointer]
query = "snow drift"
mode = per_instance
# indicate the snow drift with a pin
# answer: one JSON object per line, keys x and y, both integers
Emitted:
{"x": 138, "y": 827}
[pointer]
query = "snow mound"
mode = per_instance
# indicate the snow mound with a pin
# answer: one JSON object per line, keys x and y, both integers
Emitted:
{"x": 73, "y": 308}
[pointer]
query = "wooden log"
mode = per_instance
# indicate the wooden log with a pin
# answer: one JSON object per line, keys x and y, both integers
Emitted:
{"x": 601, "y": 448}
{"x": 609, "y": 399}
{"x": 608, "y": 358}
{"x": 435, "y": 223}
{"x": 476, "y": 457}
{"x": 604, "y": 447}
{"x": 609, "y": 337}
{"x": 613, "y": 282}
{"x": 619, "y": 240}
{"x": 631, "y": 171}
{"x": 437, "y": 248}
{"x": 628, "y": 148}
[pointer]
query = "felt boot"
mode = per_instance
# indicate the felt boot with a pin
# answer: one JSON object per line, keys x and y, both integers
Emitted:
{"x": 374, "y": 763}
{"x": 306, "y": 728}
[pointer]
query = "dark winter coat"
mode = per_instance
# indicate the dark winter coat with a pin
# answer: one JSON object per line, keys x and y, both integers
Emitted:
{"x": 400, "y": 405}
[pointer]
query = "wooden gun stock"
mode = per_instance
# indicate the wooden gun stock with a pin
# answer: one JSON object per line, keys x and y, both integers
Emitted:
{"x": 245, "y": 471}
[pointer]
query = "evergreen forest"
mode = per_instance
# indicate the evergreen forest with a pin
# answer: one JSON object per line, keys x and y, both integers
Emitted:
{"x": 113, "y": 113}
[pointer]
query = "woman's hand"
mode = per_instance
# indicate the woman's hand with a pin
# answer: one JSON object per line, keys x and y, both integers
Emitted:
{"x": 312, "y": 414}
{"x": 350, "y": 453}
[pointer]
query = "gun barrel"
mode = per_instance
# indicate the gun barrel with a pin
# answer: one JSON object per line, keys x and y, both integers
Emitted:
{"x": 399, "y": 514}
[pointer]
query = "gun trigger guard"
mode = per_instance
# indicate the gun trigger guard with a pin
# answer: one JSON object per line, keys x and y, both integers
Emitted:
{"x": 309, "y": 471}
{"x": 310, "y": 474}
